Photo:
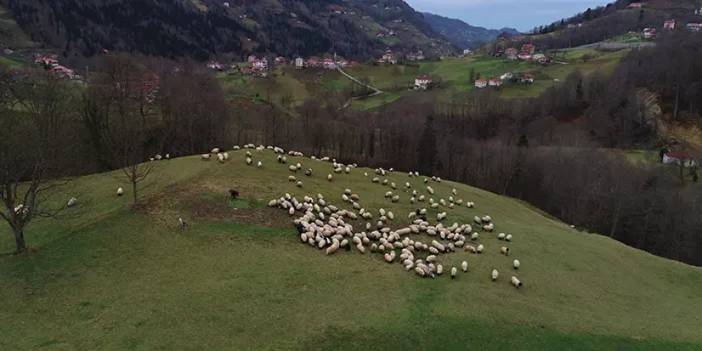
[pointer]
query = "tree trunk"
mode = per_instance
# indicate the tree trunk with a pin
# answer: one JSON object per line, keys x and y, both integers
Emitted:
{"x": 677, "y": 103}
{"x": 134, "y": 192}
{"x": 19, "y": 241}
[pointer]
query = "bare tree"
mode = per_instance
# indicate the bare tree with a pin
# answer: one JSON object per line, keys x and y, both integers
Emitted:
{"x": 35, "y": 137}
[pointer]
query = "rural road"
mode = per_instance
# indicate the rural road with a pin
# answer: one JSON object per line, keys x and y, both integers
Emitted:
{"x": 375, "y": 90}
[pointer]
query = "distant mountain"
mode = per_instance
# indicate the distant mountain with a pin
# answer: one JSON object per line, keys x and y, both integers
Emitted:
{"x": 359, "y": 29}
{"x": 462, "y": 34}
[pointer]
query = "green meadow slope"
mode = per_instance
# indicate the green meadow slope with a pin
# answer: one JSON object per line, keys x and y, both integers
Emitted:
{"x": 294, "y": 86}
{"x": 110, "y": 278}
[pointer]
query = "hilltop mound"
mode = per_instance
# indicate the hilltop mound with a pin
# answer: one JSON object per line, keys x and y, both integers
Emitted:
{"x": 109, "y": 277}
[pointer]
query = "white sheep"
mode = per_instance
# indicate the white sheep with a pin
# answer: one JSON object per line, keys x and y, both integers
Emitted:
{"x": 330, "y": 177}
{"x": 259, "y": 164}
{"x": 501, "y": 236}
{"x": 206, "y": 157}
{"x": 215, "y": 150}
{"x": 480, "y": 249}
{"x": 464, "y": 266}
{"x": 508, "y": 237}
{"x": 120, "y": 191}
{"x": 516, "y": 264}
{"x": 516, "y": 282}
{"x": 453, "y": 272}
{"x": 504, "y": 250}
{"x": 495, "y": 274}
{"x": 72, "y": 202}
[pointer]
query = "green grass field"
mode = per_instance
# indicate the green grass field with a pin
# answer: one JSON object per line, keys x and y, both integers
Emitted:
{"x": 110, "y": 278}
{"x": 396, "y": 80}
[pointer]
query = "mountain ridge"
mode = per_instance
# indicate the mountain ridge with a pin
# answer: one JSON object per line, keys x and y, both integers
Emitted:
{"x": 462, "y": 34}
{"x": 203, "y": 29}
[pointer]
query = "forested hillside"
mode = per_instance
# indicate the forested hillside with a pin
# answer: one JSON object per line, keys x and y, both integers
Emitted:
{"x": 358, "y": 29}
{"x": 617, "y": 18}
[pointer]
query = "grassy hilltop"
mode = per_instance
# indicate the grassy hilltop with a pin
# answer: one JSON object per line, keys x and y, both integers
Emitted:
{"x": 110, "y": 278}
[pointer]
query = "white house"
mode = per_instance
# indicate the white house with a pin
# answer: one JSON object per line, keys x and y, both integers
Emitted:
{"x": 299, "y": 63}
{"x": 481, "y": 83}
{"x": 423, "y": 82}
{"x": 678, "y": 158}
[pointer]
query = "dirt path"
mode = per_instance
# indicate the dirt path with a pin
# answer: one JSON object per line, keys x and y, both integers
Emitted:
{"x": 375, "y": 91}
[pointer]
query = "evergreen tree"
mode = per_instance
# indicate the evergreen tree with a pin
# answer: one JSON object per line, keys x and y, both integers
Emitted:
{"x": 427, "y": 147}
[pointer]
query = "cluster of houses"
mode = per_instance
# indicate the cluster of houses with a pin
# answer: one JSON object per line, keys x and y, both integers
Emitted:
{"x": 259, "y": 66}
{"x": 51, "y": 63}
{"x": 524, "y": 78}
{"x": 671, "y": 24}
{"x": 526, "y": 53}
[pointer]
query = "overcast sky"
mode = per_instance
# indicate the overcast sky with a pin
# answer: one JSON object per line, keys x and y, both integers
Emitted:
{"x": 521, "y": 14}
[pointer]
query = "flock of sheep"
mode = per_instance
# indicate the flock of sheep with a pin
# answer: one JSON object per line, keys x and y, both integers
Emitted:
{"x": 329, "y": 227}
{"x": 418, "y": 247}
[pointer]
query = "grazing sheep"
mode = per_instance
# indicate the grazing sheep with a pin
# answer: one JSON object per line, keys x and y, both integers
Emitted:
{"x": 330, "y": 177}
{"x": 299, "y": 184}
{"x": 333, "y": 247}
{"x": 260, "y": 164}
{"x": 292, "y": 168}
{"x": 120, "y": 191}
{"x": 215, "y": 150}
{"x": 474, "y": 236}
{"x": 470, "y": 248}
{"x": 495, "y": 274}
{"x": 206, "y": 157}
{"x": 292, "y": 179}
{"x": 439, "y": 269}
{"x": 501, "y": 236}
{"x": 480, "y": 249}
{"x": 183, "y": 224}
{"x": 516, "y": 282}
{"x": 508, "y": 237}
{"x": 504, "y": 250}
{"x": 464, "y": 266}
{"x": 249, "y": 161}
{"x": 72, "y": 202}
{"x": 516, "y": 264}
{"x": 453, "y": 272}
{"x": 308, "y": 172}
{"x": 489, "y": 227}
